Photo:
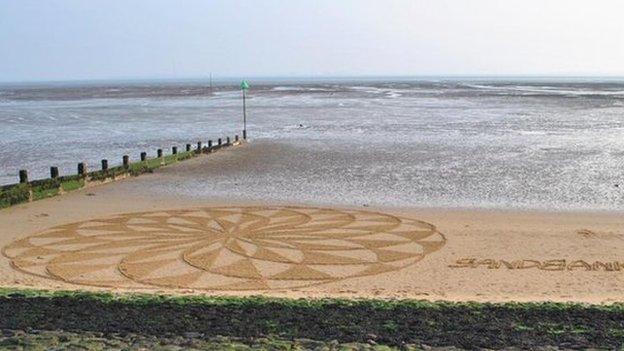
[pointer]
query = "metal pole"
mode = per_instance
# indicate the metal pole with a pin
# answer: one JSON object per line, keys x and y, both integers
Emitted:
{"x": 244, "y": 117}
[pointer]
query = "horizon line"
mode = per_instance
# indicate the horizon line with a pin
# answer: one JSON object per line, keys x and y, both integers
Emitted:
{"x": 232, "y": 78}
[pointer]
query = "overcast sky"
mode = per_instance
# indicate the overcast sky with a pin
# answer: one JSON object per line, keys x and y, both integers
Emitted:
{"x": 119, "y": 39}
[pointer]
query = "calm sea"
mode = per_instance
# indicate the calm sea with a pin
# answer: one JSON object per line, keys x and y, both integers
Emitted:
{"x": 491, "y": 143}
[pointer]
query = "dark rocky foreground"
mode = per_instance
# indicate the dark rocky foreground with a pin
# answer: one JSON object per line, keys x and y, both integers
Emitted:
{"x": 147, "y": 321}
{"x": 63, "y": 340}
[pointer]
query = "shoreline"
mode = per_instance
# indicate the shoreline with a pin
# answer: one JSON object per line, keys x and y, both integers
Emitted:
{"x": 263, "y": 157}
{"x": 496, "y": 235}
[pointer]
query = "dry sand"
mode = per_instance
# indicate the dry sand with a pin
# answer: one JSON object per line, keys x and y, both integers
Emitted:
{"x": 215, "y": 246}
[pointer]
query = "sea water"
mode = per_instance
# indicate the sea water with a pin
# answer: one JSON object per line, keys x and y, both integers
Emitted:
{"x": 489, "y": 143}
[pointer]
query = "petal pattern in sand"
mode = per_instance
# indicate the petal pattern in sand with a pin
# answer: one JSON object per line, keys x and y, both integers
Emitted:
{"x": 226, "y": 248}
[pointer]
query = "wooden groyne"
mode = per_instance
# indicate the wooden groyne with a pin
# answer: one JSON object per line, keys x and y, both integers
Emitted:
{"x": 27, "y": 190}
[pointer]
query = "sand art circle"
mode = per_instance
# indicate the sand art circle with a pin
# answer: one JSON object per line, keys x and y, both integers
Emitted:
{"x": 225, "y": 248}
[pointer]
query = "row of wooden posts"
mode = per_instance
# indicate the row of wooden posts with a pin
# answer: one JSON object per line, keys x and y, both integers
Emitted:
{"x": 82, "y": 166}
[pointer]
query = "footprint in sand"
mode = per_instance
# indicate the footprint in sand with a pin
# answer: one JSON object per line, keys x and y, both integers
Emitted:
{"x": 586, "y": 233}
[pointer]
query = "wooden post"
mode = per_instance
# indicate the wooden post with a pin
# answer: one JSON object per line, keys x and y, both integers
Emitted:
{"x": 174, "y": 150}
{"x": 236, "y": 137}
{"x": 227, "y": 141}
{"x": 210, "y": 144}
{"x": 104, "y": 165}
{"x": 143, "y": 156}
{"x": 219, "y": 141}
{"x": 54, "y": 173}
{"x": 23, "y": 179}
{"x": 188, "y": 147}
{"x": 23, "y": 176}
{"x": 159, "y": 154}
{"x": 199, "y": 147}
{"x": 126, "y": 161}
{"x": 82, "y": 169}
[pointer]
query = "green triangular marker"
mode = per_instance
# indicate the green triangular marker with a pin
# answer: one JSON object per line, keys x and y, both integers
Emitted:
{"x": 244, "y": 85}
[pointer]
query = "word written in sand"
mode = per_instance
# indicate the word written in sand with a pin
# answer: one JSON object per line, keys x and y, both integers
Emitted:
{"x": 225, "y": 248}
{"x": 549, "y": 265}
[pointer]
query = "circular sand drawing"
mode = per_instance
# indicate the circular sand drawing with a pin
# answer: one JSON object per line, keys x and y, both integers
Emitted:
{"x": 227, "y": 248}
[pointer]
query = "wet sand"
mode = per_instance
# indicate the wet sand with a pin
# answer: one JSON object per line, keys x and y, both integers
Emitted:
{"x": 484, "y": 255}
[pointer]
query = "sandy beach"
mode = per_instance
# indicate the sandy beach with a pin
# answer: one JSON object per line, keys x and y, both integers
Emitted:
{"x": 312, "y": 175}
{"x": 122, "y": 237}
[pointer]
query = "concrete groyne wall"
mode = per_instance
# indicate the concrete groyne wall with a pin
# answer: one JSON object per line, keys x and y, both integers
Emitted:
{"x": 27, "y": 191}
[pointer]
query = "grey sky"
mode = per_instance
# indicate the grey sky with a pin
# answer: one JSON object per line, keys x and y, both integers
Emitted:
{"x": 111, "y": 39}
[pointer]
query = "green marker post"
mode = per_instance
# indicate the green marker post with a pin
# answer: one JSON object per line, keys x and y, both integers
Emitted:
{"x": 244, "y": 87}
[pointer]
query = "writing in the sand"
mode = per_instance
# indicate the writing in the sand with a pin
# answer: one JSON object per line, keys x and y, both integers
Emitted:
{"x": 548, "y": 265}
